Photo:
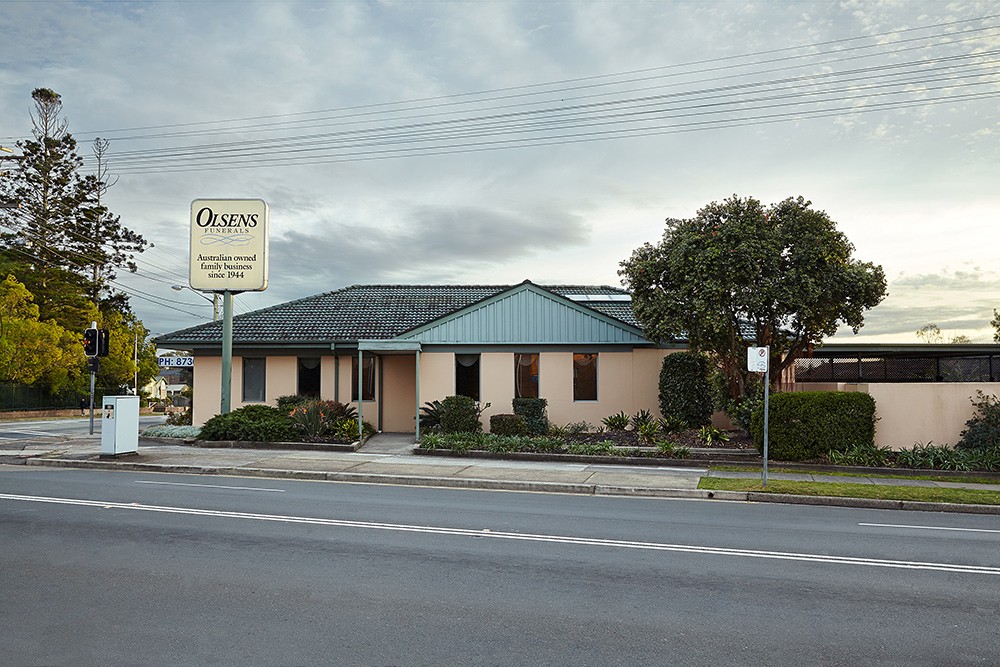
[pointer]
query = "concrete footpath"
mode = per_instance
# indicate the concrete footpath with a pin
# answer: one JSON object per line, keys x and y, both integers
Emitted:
{"x": 389, "y": 459}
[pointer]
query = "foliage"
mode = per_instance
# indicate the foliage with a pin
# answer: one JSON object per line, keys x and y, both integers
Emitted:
{"x": 310, "y": 420}
{"x": 430, "y": 416}
{"x": 739, "y": 409}
{"x": 66, "y": 244}
{"x": 172, "y": 431}
{"x": 783, "y": 271}
{"x": 574, "y": 428}
{"x": 982, "y": 431}
{"x": 182, "y": 418}
{"x": 508, "y": 424}
{"x": 347, "y": 429}
{"x": 866, "y": 454}
{"x": 648, "y": 431}
{"x": 672, "y": 425}
{"x": 291, "y": 401}
{"x": 808, "y": 425}
{"x": 616, "y": 422}
{"x": 460, "y": 414}
{"x": 640, "y": 418}
{"x": 251, "y": 423}
{"x": 684, "y": 392}
{"x": 712, "y": 435}
{"x": 602, "y": 448}
{"x": 534, "y": 412}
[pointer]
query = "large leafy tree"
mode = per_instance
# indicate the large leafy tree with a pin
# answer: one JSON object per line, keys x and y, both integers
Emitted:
{"x": 741, "y": 273}
{"x": 63, "y": 241}
{"x": 32, "y": 351}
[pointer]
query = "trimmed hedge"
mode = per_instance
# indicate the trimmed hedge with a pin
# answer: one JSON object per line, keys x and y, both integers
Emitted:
{"x": 505, "y": 424}
{"x": 807, "y": 425}
{"x": 460, "y": 414}
{"x": 684, "y": 389}
{"x": 533, "y": 412}
{"x": 257, "y": 423}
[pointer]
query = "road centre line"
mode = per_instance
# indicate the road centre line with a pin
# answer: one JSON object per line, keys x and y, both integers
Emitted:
{"x": 897, "y": 525}
{"x": 213, "y": 486}
{"x": 555, "y": 539}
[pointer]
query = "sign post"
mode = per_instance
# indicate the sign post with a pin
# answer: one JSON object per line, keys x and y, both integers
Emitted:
{"x": 229, "y": 243}
{"x": 758, "y": 361}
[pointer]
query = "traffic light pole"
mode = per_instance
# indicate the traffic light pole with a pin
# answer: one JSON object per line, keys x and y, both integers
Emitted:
{"x": 93, "y": 376}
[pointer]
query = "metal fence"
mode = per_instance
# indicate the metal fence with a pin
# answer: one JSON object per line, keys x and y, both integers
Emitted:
{"x": 14, "y": 397}
{"x": 871, "y": 369}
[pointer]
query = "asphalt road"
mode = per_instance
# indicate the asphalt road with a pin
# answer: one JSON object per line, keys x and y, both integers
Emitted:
{"x": 107, "y": 568}
{"x": 16, "y": 431}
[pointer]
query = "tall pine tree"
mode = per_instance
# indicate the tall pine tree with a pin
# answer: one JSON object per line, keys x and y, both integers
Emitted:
{"x": 65, "y": 244}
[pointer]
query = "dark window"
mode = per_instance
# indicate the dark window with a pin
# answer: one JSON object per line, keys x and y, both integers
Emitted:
{"x": 584, "y": 377}
{"x": 467, "y": 375}
{"x": 526, "y": 375}
{"x": 253, "y": 379}
{"x": 309, "y": 376}
{"x": 368, "y": 390}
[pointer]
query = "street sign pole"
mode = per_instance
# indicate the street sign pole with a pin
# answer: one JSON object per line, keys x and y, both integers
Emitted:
{"x": 759, "y": 361}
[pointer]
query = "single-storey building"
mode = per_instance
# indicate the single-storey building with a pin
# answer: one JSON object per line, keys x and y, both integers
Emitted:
{"x": 388, "y": 348}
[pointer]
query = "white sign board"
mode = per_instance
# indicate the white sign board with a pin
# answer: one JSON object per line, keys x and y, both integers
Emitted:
{"x": 229, "y": 245}
{"x": 757, "y": 359}
{"x": 176, "y": 362}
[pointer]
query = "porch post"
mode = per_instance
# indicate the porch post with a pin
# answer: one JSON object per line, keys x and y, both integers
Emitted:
{"x": 361, "y": 396}
{"x": 417, "y": 392}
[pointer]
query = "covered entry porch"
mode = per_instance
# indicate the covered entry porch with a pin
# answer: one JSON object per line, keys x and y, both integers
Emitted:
{"x": 397, "y": 407}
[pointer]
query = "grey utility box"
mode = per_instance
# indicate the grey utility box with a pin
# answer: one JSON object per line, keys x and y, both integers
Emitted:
{"x": 119, "y": 425}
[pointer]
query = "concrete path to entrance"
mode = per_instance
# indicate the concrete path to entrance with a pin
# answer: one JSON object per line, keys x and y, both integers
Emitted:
{"x": 389, "y": 443}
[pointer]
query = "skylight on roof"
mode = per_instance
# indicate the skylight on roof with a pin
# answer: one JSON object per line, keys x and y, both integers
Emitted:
{"x": 599, "y": 297}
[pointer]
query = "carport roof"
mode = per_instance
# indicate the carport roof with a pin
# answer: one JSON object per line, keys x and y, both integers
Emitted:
{"x": 374, "y": 312}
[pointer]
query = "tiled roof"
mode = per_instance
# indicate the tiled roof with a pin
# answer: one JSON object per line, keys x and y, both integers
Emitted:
{"x": 371, "y": 312}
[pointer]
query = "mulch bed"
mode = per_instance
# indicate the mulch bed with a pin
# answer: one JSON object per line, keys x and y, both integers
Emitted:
{"x": 739, "y": 443}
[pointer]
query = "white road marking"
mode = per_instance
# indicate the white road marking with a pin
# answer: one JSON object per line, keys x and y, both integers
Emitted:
{"x": 897, "y": 525}
{"x": 527, "y": 537}
{"x": 215, "y": 486}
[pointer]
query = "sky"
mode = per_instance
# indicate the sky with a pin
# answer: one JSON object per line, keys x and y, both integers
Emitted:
{"x": 492, "y": 142}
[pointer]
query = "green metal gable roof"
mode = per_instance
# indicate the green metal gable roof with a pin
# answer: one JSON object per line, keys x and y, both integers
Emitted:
{"x": 526, "y": 314}
{"x": 371, "y": 312}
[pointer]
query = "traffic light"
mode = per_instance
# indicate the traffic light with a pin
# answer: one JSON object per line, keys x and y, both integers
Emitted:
{"x": 102, "y": 342}
{"x": 90, "y": 342}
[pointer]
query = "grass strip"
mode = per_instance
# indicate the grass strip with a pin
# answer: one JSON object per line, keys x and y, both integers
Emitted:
{"x": 841, "y": 490}
{"x": 863, "y": 472}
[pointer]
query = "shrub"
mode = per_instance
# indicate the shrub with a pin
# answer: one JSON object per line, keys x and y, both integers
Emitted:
{"x": 252, "y": 423}
{"x": 871, "y": 456}
{"x": 739, "y": 410}
{"x": 171, "y": 431}
{"x": 507, "y": 424}
{"x": 712, "y": 435}
{"x": 574, "y": 428}
{"x": 618, "y": 422}
{"x": 533, "y": 411}
{"x": 347, "y": 429}
{"x": 808, "y": 425}
{"x": 983, "y": 430}
{"x": 460, "y": 414}
{"x": 182, "y": 418}
{"x": 288, "y": 403}
{"x": 649, "y": 431}
{"x": 672, "y": 425}
{"x": 684, "y": 391}
{"x": 641, "y": 418}
{"x": 430, "y": 416}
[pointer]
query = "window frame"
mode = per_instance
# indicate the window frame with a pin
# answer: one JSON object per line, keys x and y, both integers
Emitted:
{"x": 478, "y": 365}
{"x": 250, "y": 364}
{"x": 576, "y": 378}
{"x": 537, "y": 375}
{"x": 368, "y": 389}
{"x": 318, "y": 371}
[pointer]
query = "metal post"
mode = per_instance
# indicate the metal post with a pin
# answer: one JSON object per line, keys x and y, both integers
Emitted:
{"x": 767, "y": 392}
{"x": 361, "y": 396}
{"x": 93, "y": 376}
{"x": 227, "y": 351}
{"x": 417, "y": 392}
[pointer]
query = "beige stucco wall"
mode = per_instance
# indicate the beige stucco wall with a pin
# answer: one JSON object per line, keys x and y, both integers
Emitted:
{"x": 399, "y": 393}
{"x": 915, "y": 412}
{"x": 437, "y": 376}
